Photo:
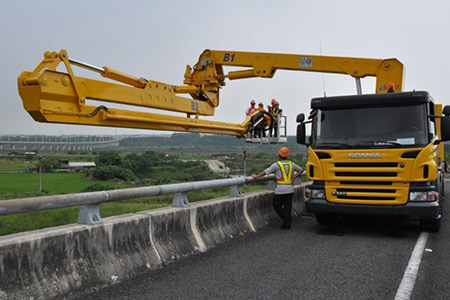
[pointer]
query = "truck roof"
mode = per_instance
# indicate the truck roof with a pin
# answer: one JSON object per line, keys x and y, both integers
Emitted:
{"x": 372, "y": 100}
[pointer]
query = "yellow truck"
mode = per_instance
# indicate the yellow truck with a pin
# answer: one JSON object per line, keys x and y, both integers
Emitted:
{"x": 376, "y": 155}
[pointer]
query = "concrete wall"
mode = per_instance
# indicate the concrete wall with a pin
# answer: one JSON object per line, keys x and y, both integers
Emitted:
{"x": 65, "y": 261}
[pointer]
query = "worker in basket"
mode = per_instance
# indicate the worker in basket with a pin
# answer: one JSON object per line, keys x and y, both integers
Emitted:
{"x": 276, "y": 113}
{"x": 251, "y": 109}
{"x": 261, "y": 121}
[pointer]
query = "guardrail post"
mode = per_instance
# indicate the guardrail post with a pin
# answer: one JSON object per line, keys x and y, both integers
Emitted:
{"x": 180, "y": 200}
{"x": 235, "y": 191}
{"x": 90, "y": 214}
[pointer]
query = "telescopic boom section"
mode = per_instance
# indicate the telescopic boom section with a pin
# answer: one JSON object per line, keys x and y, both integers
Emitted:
{"x": 209, "y": 69}
{"x": 53, "y": 96}
{"x": 60, "y": 97}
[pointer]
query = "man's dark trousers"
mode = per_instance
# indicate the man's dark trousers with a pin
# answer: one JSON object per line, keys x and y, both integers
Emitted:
{"x": 283, "y": 206}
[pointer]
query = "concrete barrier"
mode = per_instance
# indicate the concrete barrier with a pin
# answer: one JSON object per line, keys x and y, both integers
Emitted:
{"x": 65, "y": 261}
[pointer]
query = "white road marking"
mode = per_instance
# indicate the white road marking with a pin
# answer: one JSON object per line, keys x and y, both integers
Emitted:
{"x": 409, "y": 278}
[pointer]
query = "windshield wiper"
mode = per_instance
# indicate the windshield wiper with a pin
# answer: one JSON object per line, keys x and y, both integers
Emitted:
{"x": 341, "y": 145}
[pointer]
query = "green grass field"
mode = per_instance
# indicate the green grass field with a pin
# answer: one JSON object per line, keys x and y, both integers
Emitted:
{"x": 54, "y": 183}
{"x": 25, "y": 185}
{"x": 11, "y": 165}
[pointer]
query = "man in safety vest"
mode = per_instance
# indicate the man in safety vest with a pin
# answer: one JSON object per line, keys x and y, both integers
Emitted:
{"x": 276, "y": 112}
{"x": 285, "y": 172}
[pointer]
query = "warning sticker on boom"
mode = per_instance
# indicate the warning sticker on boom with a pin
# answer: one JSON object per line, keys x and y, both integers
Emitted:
{"x": 306, "y": 62}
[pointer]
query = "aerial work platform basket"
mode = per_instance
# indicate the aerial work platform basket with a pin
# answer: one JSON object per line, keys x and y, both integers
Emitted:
{"x": 268, "y": 134}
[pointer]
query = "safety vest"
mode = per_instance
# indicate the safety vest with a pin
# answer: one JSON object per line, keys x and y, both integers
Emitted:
{"x": 250, "y": 110}
{"x": 275, "y": 112}
{"x": 285, "y": 178}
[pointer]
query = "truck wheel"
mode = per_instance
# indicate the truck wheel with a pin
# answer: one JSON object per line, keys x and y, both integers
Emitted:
{"x": 431, "y": 225}
{"x": 326, "y": 219}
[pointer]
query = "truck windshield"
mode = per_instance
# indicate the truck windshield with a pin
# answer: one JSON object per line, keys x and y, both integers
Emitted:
{"x": 381, "y": 127}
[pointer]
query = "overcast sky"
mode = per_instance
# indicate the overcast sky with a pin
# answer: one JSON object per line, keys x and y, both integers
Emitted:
{"x": 156, "y": 39}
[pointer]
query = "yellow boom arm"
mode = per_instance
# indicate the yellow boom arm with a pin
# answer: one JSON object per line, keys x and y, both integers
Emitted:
{"x": 53, "y": 96}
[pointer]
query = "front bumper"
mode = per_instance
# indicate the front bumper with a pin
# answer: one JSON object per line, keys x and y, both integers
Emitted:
{"x": 420, "y": 210}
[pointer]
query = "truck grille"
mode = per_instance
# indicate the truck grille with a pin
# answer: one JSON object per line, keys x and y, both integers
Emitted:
{"x": 368, "y": 169}
{"x": 366, "y": 165}
{"x": 366, "y": 174}
{"x": 343, "y": 194}
{"x": 367, "y": 183}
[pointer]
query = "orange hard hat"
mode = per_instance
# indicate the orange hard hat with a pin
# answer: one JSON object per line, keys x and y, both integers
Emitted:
{"x": 252, "y": 102}
{"x": 273, "y": 101}
{"x": 283, "y": 152}
{"x": 260, "y": 104}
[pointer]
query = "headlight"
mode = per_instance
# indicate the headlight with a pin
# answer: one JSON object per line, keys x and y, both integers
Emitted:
{"x": 423, "y": 196}
{"x": 314, "y": 193}
{"x": 318, "y": 194}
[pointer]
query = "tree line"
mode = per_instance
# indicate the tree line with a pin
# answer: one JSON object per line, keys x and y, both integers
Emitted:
{"x": 194, "y": 140}
{"x": 149, "y": 168}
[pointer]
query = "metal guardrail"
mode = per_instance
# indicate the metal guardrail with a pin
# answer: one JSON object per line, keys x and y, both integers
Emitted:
{"x": 90, "y": 202}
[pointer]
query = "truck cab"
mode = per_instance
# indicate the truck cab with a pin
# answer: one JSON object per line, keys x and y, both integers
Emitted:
{"x": 376, "y": 154}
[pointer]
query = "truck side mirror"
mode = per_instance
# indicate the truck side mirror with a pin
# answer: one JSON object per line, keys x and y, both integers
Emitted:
{"x": 445, "y": 128}
{"x": 301, "y": 133}
{"x": 445, "y": 111}
{"x": 300, "y": 118}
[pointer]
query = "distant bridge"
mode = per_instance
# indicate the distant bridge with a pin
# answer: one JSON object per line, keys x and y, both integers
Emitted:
{"x": 64, "y": 143}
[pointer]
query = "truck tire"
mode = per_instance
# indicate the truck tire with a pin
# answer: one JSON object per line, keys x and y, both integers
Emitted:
{"x": 324, "y": 219}
{"x": 431, "y": 225}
